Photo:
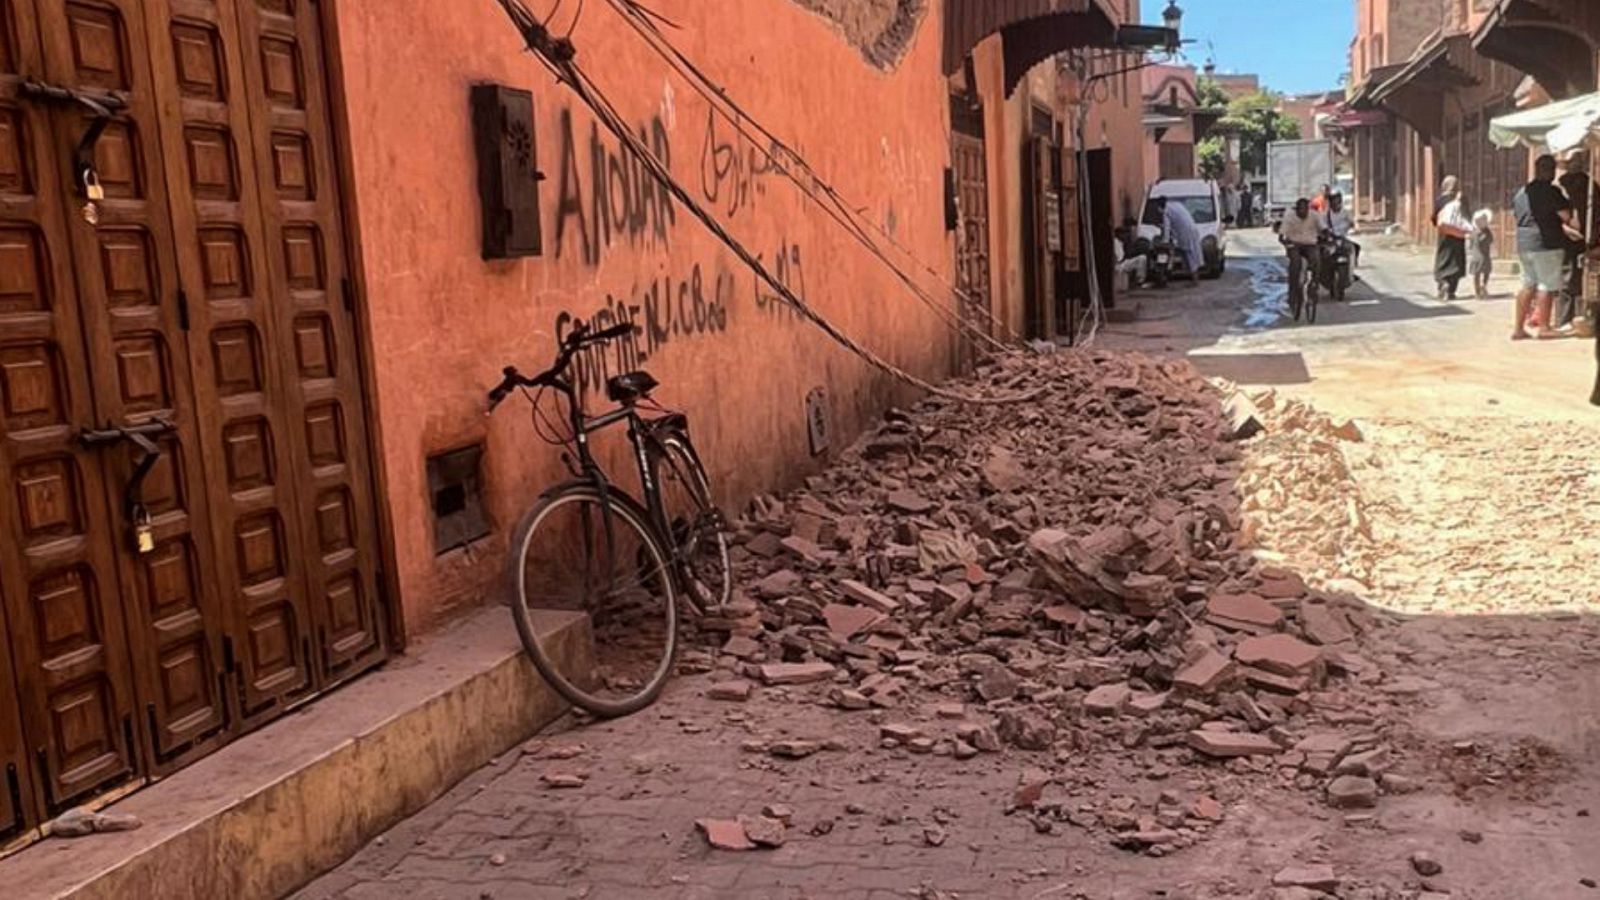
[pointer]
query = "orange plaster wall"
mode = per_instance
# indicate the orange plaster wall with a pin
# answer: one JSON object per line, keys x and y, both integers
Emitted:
{"x": 443, "y": 321}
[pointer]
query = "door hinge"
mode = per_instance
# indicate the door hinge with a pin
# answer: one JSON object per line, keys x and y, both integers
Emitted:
{"x": 183, "y": 309}
{"x": 14, "y": 788}
{"x": 42, "y": 760}
{"x": 348, "y": 289}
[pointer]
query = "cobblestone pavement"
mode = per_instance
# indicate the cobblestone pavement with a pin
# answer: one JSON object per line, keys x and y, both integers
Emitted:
{"x": 1525, "y": 690}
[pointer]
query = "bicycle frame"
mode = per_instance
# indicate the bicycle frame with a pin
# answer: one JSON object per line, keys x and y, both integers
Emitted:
{"x": 640, "y": 436}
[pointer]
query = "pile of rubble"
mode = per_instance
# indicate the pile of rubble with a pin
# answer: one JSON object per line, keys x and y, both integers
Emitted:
{"x": 1064, "y": 576}
{"x": 1299, "y": 496}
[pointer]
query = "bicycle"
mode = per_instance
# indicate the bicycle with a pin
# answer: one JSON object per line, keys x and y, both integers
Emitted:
{"x": 588, "y": 546}
{"x": 1302, "y": 285}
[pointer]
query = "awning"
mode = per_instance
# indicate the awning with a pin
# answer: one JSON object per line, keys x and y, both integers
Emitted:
{"x": 1554, "y": 49}
{"x": 1557, "y": 127}
{"x": 1361, "y": 97}
{"x": 1417, "y": 92}
{"x": 1205, "y": 120}
{"x": 1031, "y": 31}
{"x": 1351, "y": 119}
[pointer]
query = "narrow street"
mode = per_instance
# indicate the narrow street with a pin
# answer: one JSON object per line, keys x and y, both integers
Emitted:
{"x": 1413, "y": 459}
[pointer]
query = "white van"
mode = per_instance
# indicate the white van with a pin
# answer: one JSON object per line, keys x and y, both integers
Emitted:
{"x": 1203, "y": 199}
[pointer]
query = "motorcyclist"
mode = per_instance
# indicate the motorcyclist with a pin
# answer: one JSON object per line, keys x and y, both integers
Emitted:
{"x": 1341, "y": 223}
{"x": 1300, "y": 232}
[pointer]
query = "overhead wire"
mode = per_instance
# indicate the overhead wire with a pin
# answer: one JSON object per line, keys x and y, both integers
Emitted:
{"x": 560, "y": 56}
{"x": 641, "y": 18}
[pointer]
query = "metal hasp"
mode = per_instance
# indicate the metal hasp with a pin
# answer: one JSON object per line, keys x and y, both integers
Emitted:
{"x": 104, "y": 107}
{"x": 142, "y": 436}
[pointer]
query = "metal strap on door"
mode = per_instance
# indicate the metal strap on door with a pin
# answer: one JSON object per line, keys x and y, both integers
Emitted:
{"x": 104, "y": 107}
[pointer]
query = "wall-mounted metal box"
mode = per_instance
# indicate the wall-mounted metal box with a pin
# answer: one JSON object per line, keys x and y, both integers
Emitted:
{"x": 508, "y": 171}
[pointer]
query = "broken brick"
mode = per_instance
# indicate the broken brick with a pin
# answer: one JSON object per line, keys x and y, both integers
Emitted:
{"x": 1352, "y": 792}
{"x": 1283, "y": 654}
{"x": 866, "y": 596}
{"x": 795, "y": 673}
{"x": 736, "y": 690}
{"x": 1226, "y": 744}
{"x": 1243, "y": 612}
{"x": 1108, "y": 699}
{"x": 725, "y": 834}
{"x": 848, "y": 621}
{"x": 1207, "y": 674}
{"x": 1317, "y": 878}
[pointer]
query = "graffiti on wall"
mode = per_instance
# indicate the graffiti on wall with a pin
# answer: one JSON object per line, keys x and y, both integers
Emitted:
{"x": 611, "y": 196}
{"x": 607, "y": 196}
{"x": 786, "y": 266}
{"x": 663, "y": 310}
{"x": 733, "y": 170}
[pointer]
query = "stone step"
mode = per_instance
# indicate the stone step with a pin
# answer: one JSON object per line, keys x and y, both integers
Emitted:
{"x": 276, "y": 808}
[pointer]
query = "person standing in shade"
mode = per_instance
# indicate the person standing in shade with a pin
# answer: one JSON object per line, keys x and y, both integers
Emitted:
{"x": 1450, "y": 256}
{"x": 1542, "y": 214}
{"x": 1580, "y": 193}
{"x": 1246, "y": 199}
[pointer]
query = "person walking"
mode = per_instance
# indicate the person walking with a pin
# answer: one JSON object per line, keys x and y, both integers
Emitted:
{"x": 1480, "y": 252}
{"x": 1453, "y": 226}
{"x": 1542, "y": 212}
{"x": 1246, "y": 199}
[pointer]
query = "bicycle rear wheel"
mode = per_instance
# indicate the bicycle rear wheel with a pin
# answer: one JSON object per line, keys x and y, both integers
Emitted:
{"x": 699, "y": 538}
{"x": 575, "y": 552}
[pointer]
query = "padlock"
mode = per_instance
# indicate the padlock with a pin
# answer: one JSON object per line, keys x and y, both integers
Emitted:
{"x": 144, "y": 534}
{"x": 93, "y": 193}
{"x": 91, "y": 186}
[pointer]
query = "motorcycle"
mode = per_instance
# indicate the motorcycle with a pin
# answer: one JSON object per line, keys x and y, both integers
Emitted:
{"x": 1335, "y": 274}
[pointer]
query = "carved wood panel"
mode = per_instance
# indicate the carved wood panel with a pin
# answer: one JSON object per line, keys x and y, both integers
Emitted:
{"x": 295, "y": 171}
{"x": 223, "y": 252}
{"x": 209, "y": 295}
{"x": 59, "y": 578}
{"x": 129, "y": 295}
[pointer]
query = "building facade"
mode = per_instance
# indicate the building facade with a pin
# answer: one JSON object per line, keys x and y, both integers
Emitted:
{"x": 242, "y": 380}
{"x": 1170, "y": 100}
{"x": 282, "y": 303}
{"x": 1424, "y": 115}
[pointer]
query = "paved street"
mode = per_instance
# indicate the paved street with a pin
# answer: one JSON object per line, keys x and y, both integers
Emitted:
{"x": 1471, "y": 476}
{"x": 1392, "y": 350}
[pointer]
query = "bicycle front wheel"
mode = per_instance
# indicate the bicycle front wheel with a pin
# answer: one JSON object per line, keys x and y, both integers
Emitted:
{"x": 576, "y": 553}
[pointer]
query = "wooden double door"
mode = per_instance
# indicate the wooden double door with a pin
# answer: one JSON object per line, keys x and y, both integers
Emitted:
{"x": 210, "y": 295}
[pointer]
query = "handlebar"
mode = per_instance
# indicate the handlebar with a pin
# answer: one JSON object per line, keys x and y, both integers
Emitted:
{"x": 579, "y": 338}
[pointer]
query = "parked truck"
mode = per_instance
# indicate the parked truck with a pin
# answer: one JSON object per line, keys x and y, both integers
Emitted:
{"x": 1296, "y": 169}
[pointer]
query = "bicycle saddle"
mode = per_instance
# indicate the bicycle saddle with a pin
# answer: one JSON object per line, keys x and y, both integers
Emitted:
{"x": 630, "y": 386}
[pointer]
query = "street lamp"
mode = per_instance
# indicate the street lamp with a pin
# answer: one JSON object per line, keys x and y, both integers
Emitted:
{"x": 1172, "y": 16}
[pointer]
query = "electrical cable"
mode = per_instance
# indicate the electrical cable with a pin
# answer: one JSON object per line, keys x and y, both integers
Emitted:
{"x": 560, "y": 56}
{"x": 834, "y": 204}
{"x": 639, "y": 18}
{"x": 575, "y": 17}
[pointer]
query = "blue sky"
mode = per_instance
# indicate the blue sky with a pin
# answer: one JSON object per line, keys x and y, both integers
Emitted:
{"x": 1296, "y": 46}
